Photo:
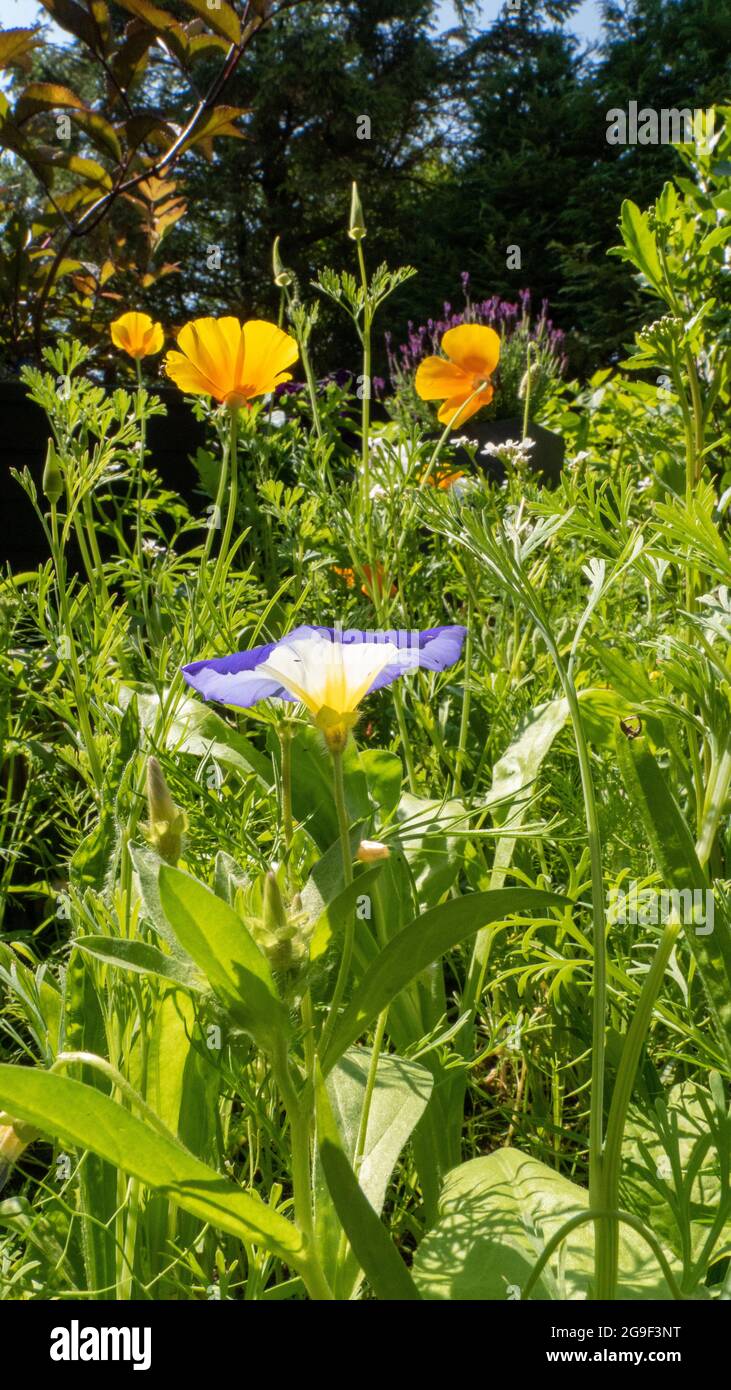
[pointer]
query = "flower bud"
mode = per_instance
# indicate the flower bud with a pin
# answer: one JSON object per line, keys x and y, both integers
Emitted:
{"x": 529, "y": 379}
{"x": 52, "y": 475}
{"x": 356, "y": 230}
{"x": 281, "y": 931}
{"x": 14, "y": 1138}
{"x": 167, "y": 822}
{"x": 282, "y": 276}
{"x": 275, "y": 916}
{"x": 370, "y": 851}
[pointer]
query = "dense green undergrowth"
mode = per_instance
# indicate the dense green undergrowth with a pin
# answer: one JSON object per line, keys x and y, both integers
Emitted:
{"x": 518, "y": 1084}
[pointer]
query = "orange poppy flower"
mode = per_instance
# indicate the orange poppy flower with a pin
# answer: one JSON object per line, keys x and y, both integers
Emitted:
{"x": 445, "y": 480}
{"x": 349, "y": 576}
{"x": 231, "y": 361}
{"x": 137, "y": 335}
{"x": 472, "y": 354}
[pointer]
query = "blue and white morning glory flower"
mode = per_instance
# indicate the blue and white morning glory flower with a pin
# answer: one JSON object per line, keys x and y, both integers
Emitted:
{"x": 328, "y": 671}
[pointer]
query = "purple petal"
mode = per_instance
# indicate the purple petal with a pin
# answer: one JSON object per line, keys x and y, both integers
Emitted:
{"x": 234, "y": 680}
{"x": 434, "y": 649}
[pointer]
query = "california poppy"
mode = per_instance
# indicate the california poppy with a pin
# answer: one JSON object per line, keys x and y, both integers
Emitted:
{"x": 472, "y": 354}
{"x": 137, "y": 335}
{"x": 231, "y": 361}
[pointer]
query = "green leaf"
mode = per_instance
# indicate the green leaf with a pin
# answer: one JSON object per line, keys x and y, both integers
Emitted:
{"x": 313, "y": 798}
{"x": 141, "y": 957}
{"x": 384, "y": 775}
{"x": 219, "y": 943}
{"x": 417, "y": 945}
{"x": 434, "y": 856}
{"x": 641, "y": 245}
{"x": 326, "y": 898}
{"x": 46, "y": 96}
{"x": 497, "y": 1214}
{"x": 399, "y": 1099}
{"x": 374, "y": 1250}
{"x": 673, "y": 1144}
{"x": 203, "y": 733}
{"x": 73, "y": 18}
{"x": 223, "y": 19}
{"x": 83, "y": 1118}
{"x": 673, "y": 850}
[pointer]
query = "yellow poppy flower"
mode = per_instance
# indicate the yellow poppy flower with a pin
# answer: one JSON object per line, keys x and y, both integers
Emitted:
{"x": 472, "y": 354}
{"x": 231, "y": 361}
{"x": 137, "y": 335}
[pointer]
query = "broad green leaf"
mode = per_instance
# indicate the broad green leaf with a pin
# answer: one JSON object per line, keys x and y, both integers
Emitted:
{"x": 374, "y": 1250}
{"x": 147, "y": 867}
{"x": 434, "y": 856}
{"x": 82, "y": 1117}
{"x": 497, "y": 1214}
{"x": 327, "y": 899}
{"x": 198, "y": 730}
{"x": 420, "y": 943}
{"x": 384, "y": 774}
{"x": 313, "y": 800}
{"x": 673, "y": 850}
{"x": 142, "y": 958}
{"x": 182, "y": 1085}
{"x": 399, "y": 1100}
{"x": 219, "y": 943}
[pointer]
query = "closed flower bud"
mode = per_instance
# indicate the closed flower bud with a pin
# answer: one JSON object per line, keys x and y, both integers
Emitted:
{"x": 52, "y": 475}
{"x": 167, "y": 822}
{"x": 282, "y": 276}
{"x": 275, "y": 916}
{"x": 357, "y": 229}
{"x": 529, "y": 380}
{"x": 14, "y": 1138}
{"x": 370, "y": 851}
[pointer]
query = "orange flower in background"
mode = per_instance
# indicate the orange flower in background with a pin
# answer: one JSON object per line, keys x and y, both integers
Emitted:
{"x": 472, "y": 354}
{"x": 445, "y": 480}
{"x": 349, "y": 576}
{"x": 231, "y": 361}
{"x": 137, "y": 335}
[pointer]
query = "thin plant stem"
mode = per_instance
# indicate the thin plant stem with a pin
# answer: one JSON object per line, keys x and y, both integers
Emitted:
{"x": 346, "y": 953}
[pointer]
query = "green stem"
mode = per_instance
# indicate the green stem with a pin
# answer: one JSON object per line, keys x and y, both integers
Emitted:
{"x": 233, "y": 489}
{"x": 366, "y": 381}
{"x": 622, "y": 1094}
{"x": 599, "y": 1217}
{"x": 97, "y": 771}
{"x": 465, "y": 720}
{"x": 526, "y": 407}
{"x": 349, "y": 924}
{"x": 140, "y": 554}
{"x": 285, "y": 744}
{"x": 602, "y": 1242}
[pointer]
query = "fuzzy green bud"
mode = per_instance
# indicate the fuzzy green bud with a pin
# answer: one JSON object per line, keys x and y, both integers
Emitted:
{"x": 167, "y": 822}
{"x": 282, "y": 931}
{"x": 275, "y": 916}
{"x": 528, "y": 380}
{"x": 282, "y": 276}
{"x": 357, "y": 228}
{"x": 52, "y": 475}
